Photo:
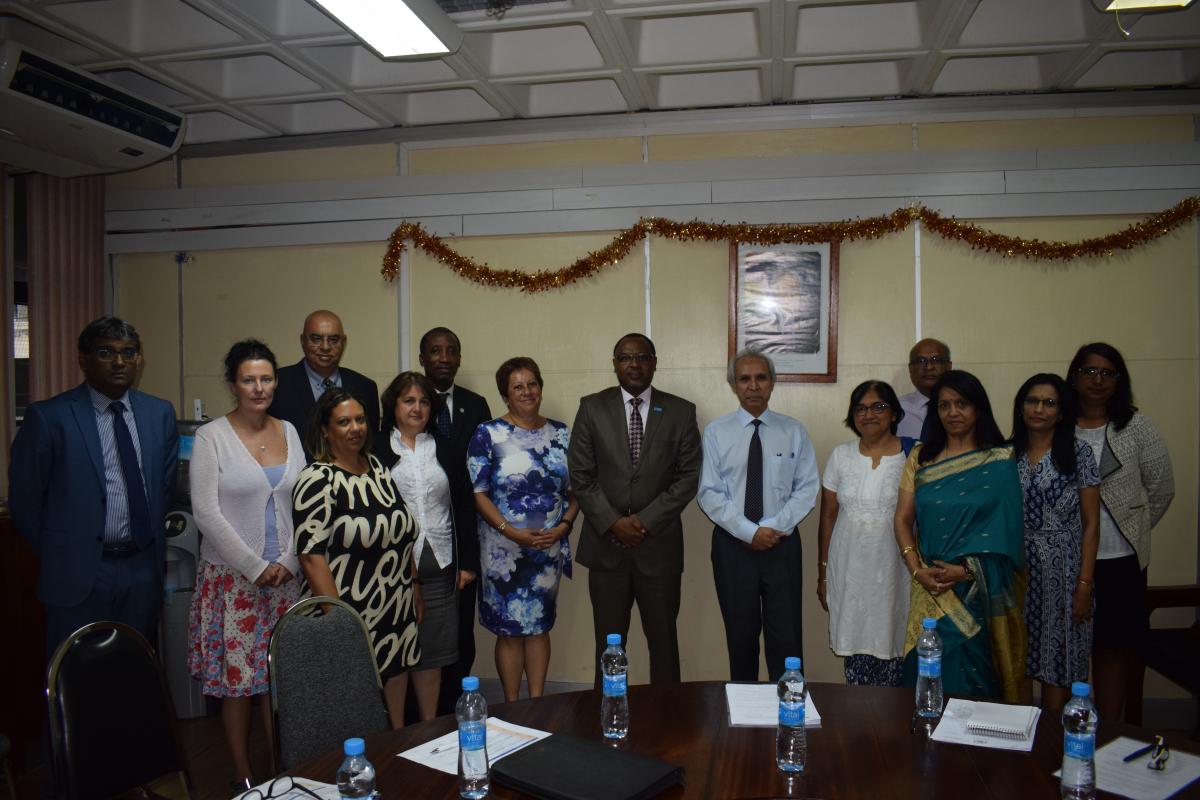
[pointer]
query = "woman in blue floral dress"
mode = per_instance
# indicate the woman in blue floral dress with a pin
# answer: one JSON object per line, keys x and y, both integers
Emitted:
{"x": 518, "y": 466}
{"x": 1060, "y": 484}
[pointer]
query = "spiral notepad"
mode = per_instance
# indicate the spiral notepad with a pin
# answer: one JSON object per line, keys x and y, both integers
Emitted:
{"x": 996, "y": 719}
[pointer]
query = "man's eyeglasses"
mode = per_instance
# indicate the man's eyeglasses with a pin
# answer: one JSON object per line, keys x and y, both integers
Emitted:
{"x": 629, "y": 358}
{"x": 333, "y": 339}
{"x": 280, "y": 788}
{"x": 861, "y": 410}
{"x": 111, "y": 353}
{"x": 928, "y": 361}
{"x": 1093, "y": 372}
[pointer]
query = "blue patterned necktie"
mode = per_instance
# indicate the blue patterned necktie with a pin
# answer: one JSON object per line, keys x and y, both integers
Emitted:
{"x": 442, "y": 421}
{"x": 635, "y": 431}
{"x": 754, "y": 477}
{"x": 139, "y": 510}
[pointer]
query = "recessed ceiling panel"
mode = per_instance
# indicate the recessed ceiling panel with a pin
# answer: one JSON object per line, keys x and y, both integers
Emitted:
{"x": 145, "y": 26}
{"x": 700, "y": 89}
{"x": 867, "y": 27}
{"x": 696, "y": 38}
{"x": 359, "y": 68}
{"x": 574, "y": 97}
{"x": 531, "y": 51}
{"x": 148, "y": 88}
{"x": 286, "y": 18}
{"x": 316, "y": 116}
{"x": 1015, "y": 22}
{"x": 1002, "y": 73}
{"x": 836, "y": 81}
{"x": 42, "y": 41}
{"x": 1142, "y": 68}
{"x": 214, "y": 126}
{"x": 432, "y": 108}
{"x": 240, "y": 77}
{"x": 1162, "y": 25}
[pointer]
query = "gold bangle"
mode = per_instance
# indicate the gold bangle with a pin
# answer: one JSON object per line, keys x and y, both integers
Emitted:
{"x": 907, "y": 550}
{"x": 822, "y": 563}
{"x": 503, "y": 525}
{"x": 1087, "y": 582}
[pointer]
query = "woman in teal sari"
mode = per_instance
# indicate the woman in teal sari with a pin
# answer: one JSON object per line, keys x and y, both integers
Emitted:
{"x": 965, "y": 551}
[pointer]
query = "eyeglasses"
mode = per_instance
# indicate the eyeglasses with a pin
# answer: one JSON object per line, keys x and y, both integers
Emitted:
{"x": 629, "y": 358}
{"x": 280, "y": 788}
{"x": 1094, "y": 372}
{"x": 928, "y": 361}
{"x": 861, "y": 410}
{"x": 111, "y": 353}
{"x": 1048, "y": 402}
{"x": 333, "y": 339}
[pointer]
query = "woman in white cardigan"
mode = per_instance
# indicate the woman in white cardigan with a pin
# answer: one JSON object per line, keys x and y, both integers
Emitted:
{"x": 243, "y": 468}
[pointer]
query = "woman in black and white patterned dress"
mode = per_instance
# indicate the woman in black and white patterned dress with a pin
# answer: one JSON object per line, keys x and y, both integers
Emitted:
{"x": 353, "y": 531}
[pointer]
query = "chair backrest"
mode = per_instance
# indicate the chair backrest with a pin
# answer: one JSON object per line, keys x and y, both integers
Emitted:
{"x": 112, "y": 725}
{"x": 324, "y": 682}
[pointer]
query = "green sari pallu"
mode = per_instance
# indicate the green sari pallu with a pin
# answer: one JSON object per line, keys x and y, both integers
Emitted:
{"x": 969, "y": 510}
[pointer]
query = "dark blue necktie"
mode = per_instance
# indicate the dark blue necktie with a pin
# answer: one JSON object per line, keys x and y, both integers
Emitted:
{"x": 754, "y": 477}
{"x": 139, "y": 511}
{"x": 927, "y": 425}
{"x": 442, "y": 421}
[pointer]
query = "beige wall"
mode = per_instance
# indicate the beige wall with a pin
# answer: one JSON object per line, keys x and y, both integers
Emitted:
{"x": 1005, "y": 319}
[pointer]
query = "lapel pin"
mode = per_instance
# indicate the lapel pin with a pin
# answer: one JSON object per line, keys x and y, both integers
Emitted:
{"x": 658, "y": 409}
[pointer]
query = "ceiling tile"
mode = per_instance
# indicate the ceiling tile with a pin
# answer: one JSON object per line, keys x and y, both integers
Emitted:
{"x": 834, "y": 81}
{"x": 1142, "y": 68}
{"x": 315, "y": 116}
{"x": 531, "y": 51}
{"x": 238, "y": 77}
{"x": 1001, "y": 73}
{"x": 215, "y": 126}
{"x": 148, "y": 88}
{"x": 869, "y": 27}
{"x": 40, "y": 40}
{"x": 1009, "y": 22}
{"x": 1162, "y": 25}
{"x": 683, "y": 39}
{"x": 432, "y": 108}
{"x": 572, "y": 97}
{"x": 286, "y": 18}
{"x": 145, "y": 26}
{"x": 700, "y": 89}
{"x": 359, "y": 68}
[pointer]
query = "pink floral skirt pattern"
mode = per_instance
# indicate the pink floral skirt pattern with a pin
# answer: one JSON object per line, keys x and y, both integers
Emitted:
{"x": 230, "y": 627}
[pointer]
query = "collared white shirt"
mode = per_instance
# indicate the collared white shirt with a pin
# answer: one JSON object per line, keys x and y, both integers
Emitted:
{"x": 790, "y": 477}
{"x": 426, "y": 491}
{"x": 643, "y": 409}
{"x": 116, "y": 509}
{"x": 317, "y": 382}
{"x": 916, "y": 406}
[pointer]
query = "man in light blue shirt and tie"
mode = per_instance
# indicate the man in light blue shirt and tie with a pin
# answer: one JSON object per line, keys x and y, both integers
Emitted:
{"x": 759, "y": 480}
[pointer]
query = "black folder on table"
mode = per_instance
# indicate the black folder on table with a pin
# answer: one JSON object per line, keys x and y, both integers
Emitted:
{"x": 567, "y": 768}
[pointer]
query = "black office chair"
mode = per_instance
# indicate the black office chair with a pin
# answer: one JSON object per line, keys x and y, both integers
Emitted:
{"x": 112, "y": 725}
{"x": 324, "y": 683}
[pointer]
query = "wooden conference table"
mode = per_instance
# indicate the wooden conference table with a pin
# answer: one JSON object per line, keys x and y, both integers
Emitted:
{"x": 862, "y": 750}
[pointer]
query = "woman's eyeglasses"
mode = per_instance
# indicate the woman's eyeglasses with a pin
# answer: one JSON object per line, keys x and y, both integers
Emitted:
{"x": 1048, "y": 402}
{"x": 1091, "y": 373}
{"x": 281, "y": 787}
{"x": 861, "y": 410}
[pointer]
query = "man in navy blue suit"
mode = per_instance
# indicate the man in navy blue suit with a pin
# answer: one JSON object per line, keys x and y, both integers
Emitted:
{"x": 91, "y": 478}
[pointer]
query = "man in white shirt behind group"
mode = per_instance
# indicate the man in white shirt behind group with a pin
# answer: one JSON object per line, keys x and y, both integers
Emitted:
{"x": 928, "y": 360}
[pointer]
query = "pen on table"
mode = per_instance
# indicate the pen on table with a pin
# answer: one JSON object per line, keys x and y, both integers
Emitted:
{"x": 1141, "y": 751}
{"x": 444, "y": 748}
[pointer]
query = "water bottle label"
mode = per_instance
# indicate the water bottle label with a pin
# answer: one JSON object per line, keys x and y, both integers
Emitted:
{"x": 791, "y": 715}
{"x": 615, "y": 685}
{"x": 472, "y": 735}
{"x": 1079, "y": 745}
{"x": 929, "y": 667}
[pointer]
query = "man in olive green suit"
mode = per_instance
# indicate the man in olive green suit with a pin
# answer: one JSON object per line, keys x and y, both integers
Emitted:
{"x": 635, "y": 464}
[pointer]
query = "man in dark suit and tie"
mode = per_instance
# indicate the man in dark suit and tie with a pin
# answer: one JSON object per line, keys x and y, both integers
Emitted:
{"x": 298, "y": 386}
{"x": 635, "y": 463}
{"x": 458, "y": 414}
{"x": 91, "y": 477}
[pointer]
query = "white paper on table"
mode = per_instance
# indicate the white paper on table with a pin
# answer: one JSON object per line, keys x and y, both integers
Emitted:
{"x": 1133, "y": 779}
{"x": 503, "y": 738}
{"x": 756, "y": 705}
{"x": 953, "y": 729}
{"x": 326, "y": 791}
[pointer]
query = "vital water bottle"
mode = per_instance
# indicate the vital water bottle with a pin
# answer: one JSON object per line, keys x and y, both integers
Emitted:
{"x": 1079, "y": 721}
{"x": 929, "y": 671}
{"x": 791, "y": 740}
{"x": 614, "y": 705}
{"x": 356, "y": 776}
{"x": 471, "y": 712}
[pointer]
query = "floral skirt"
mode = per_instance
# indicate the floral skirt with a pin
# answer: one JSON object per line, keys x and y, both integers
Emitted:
{"x": 230, "y": 628}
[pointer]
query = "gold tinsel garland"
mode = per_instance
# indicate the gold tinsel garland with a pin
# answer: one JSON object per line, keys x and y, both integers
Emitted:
{"x": 780, "y": 233}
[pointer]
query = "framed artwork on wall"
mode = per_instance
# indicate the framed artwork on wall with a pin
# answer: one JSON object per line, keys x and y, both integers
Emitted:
{"x": 783, "y": 300}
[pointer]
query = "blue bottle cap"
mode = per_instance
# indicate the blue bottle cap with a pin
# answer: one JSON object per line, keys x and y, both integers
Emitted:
{"x": 791, "y": 662}
{"x": 470, "y": 684}
{"x": 353, "y": 747}
{"x": 929, "y": 623}
{"x": 1080, "y": 689}
{"x": 614, "y": 638}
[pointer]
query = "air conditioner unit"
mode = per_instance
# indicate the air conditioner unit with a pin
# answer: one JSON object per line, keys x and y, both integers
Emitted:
{"x": 62, "y": 121}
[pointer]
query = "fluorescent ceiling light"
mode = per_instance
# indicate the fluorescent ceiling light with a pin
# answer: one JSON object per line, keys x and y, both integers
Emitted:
{"x": 393, "y": 28}
{"x": 1146, "y": 5}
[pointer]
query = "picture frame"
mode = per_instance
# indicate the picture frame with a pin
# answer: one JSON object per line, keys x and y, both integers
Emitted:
{"x": 783, "y": 300}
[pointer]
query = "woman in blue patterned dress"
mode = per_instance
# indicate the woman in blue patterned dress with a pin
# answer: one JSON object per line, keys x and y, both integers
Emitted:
{"x": 1060, "y": 484}
{"x": 518, "y": 466}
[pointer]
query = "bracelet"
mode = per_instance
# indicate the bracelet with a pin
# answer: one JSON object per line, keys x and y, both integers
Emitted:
{"x": 1087, "y": 582}
{"x": 503, "y": 525}
{"x": 970, "y": 576}
{"x": 823, "y": 564}
{"x": 570, "y": 523}
{"x": 907, "y": 550}
{"x": 822, "y": 580}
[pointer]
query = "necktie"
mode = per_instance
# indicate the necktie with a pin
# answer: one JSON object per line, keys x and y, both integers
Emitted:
{"x": 635, "y": 431}
{"x": 754, "y": 477}
{"x": 442, "y": 421}
{"x": 927, "y": 425}
{"x": 327, "y": 384}
{"x": 139, "y": 510}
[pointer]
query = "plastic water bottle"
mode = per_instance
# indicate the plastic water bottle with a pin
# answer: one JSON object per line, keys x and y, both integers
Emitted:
{"x": 356, "y": 776}
{"x": 791, "y": 739}
{"x": 929, "y": 671}
{"x": 614, "y": 705}
{"x": 1079, "y": 721}
{"x": 471, "y": 712}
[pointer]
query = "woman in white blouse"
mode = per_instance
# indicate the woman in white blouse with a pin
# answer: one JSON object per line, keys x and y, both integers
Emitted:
{"x": 436, "y": 491}
{"x": 243, "y": 468}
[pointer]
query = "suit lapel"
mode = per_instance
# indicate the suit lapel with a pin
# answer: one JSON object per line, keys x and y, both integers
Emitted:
{"x": 85, "y": 418}
{"x": 146, "y": 438}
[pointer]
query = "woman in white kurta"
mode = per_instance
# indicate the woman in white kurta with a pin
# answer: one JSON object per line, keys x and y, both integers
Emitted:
{"x": 862, "y": 582}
